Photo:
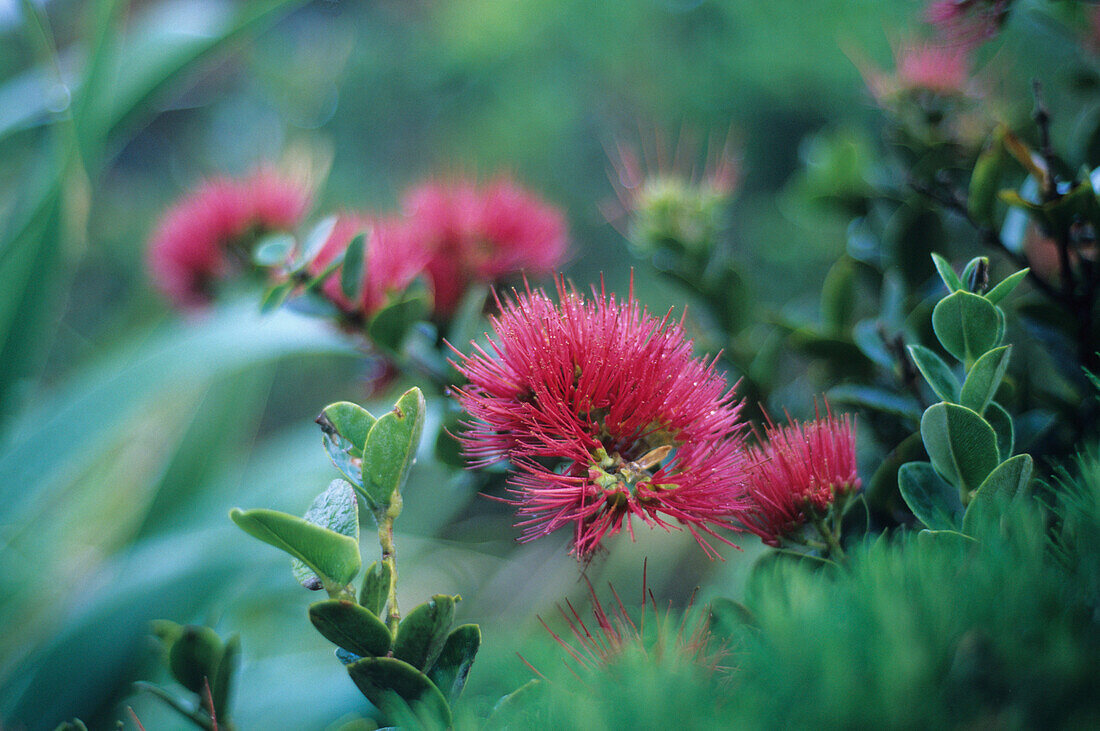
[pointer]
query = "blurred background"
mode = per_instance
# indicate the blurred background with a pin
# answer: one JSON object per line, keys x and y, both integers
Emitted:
{"x": 127, "y": 430}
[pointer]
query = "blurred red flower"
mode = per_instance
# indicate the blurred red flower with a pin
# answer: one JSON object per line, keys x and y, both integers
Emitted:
{"x": 801, "y": 467}
{"x": 393, "y": 257}
{"x": 605, "y": 414}
{"x": 481, "y": 234}
{"x": 210, "y": 230}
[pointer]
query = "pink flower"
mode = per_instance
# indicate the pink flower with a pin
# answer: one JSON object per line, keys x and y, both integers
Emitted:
{"x": 802, "y": 467}
{"x": 209, "y": 232}
{"x": 605, "y": 415}
{"x": 483, "y": 234}
{"x": 392, "y": 260}
{"x": 922, "y": 67}
{"x": 967, "y": 23}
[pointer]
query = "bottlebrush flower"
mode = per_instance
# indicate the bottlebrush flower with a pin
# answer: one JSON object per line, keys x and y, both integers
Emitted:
{"x": 209, "y": 232}
{"x": 943, "y": 70}
{"x": 673, "y": 203}
{"x": 967, "y": 23}
{"x": 393, "y": 258}
{"x": 483, "y": 234}
{"x": 612, "y": 396}
{"x": 802, "y": 467}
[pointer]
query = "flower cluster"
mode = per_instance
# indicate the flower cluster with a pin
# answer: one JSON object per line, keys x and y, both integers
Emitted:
{"x": 605, "y": 415}
{"x": 452, "y": 233}
{"x": 799, "y": 472}
{"x": 393, "y": 258}
{"x": 482, "y": 233}
{"x": 967, "y": 23}
{"x": 204, "y": 236}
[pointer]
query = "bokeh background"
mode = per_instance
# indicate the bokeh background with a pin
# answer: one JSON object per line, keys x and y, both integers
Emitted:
{"x": 127, "y": 431}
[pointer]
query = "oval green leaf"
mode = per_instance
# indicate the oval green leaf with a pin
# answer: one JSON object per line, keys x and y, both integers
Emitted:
{"x": 1006, "y": 287}
{"x": 350, "y": 626}
{"x": 194, "y": 657}
{"x": 381, "y": 679}
{"x": 961, "y": 445}
{"x": 968, "y": 325}
{"x": 336, "y": 509}
{"x": 1010, "y": 479}
{"x": 350, "y": 421}
{"x": 391, "y": 449}
{"x": 351, "y": 272}
{"x": 938, "y": 374}
{"x": 1001, "y": 422}
{"x": 935, "y": 502}
{"x": 985, "y": 378}
{"x": 332, "y": 556}
{"x": 947, "y": 274}
{"x": 422, "y": 634}
{"x": 376, "y": 587}
{"x": 455, "y": 660}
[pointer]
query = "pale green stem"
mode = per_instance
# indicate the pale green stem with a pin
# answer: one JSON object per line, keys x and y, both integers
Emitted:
{"x": 835, "y": 549}
{"x": 389, "y": 557}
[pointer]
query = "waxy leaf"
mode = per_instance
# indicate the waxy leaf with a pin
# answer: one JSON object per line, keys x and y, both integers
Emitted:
{"x": 422, "y": 633}
{"x": 351, "y": 274}
{"x": 332, "y": 556}
{"x": 455, "y": 660}
{"x": 350, "y": 421}
{"x": 838, "y": 297}
{"x": 382, "y": 678}
{"x": 273, "y": 250}
{"x": 340, "y": 452}
{"x": 969, "y": 270}
{"x": 336, "y": 509}
{"x": 968, "y": 325}
{"x": 961, "y": 445}
{"x": 315, "y": 240}
{"x": 985, "y": 378}
{"x": 949, "y": 538}
{"x": 935, "y": 502}
{"x": 221, "y": 685}
{"x": 1007, "y": 285}
{"x": 1010, "y": 479}
{"x": 350, "y": 626}
{"x": 936, "y": 372}
{"x": 999, "y": 419}
{"x": 194, "y": 657}
{"x": 947, "y": 274}
{"x": 392, "y": 323}
{"x": 391, "y": 449}
{"x": 376, "y": 587}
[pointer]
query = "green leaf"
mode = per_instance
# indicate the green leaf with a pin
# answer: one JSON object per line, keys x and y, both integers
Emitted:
{"x": 947, "y": 274}
{"x": 838, "y": 297}
{"x": 339, "y": 451}
{"x": 275, "y": 296}
{"x": 1006, "y": 286}
{"x": 1010, "y": 479}
{"x": 726, "y": 616}
{"x": 950, "y": 538}
{"x": 380, "y": 679}
{"x": 273, "y": 250}
{"x": 996, "y": 416}
{"x": 985, "y": 181}
{"x": 314, "y": 241}
{"x": 376, "y": 587}
{"x": 194, "y": 657}
{"x": 967, "y": 325}
{"x": 876, "y": 399}
{"x": 336, "y": 509}
{"x": 455, "y": 660}
{"x": 391, "y": 449}
{"x": 936, "y": 372}
{"x": 351, "y": 276}
{"x": 961, "y": 445}
{"x": 422, "y": 633}
{"x": 970, "y": 268}
{"x": 350, "y": 421}
{"x": 985, "y": 378}
{"x": 222, "y": 684}
{"x": 350, "y": 626}
{"x": 929, "y": 496}
{"x": 392, "y": 323}
{"x": 329, "y": 554}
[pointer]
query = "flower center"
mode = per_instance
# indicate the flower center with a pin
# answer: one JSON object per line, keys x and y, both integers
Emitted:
{"x": 618, "y": 479}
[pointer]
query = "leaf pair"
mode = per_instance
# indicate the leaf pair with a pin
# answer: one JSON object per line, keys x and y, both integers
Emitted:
{"x": 375, "y": 455}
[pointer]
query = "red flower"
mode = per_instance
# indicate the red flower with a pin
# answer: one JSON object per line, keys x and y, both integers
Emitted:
{"x": 483, "y": 234}
{"x": 921, "y": 67}
{"x": 802, "y": 467}
{"x": 613, "y": 397}
{"x": 202, "y": 237}
{"x": 392, "y": 260}
{"x": 967, "y": 23}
